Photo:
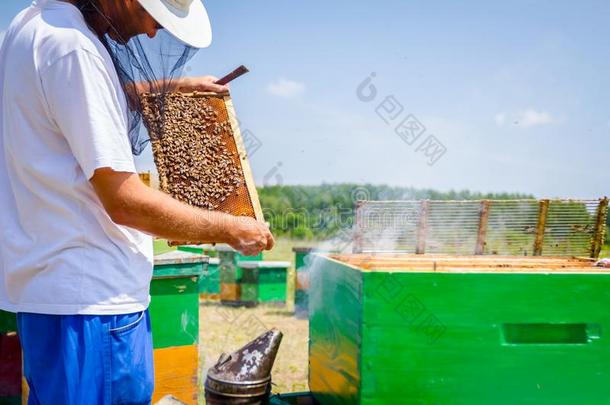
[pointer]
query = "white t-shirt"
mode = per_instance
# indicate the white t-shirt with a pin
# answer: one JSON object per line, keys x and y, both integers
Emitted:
{"x": 63, "y": 116}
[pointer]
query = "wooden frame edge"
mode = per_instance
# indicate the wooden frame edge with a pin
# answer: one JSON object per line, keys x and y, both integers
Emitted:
{"x": 243, "y": 158}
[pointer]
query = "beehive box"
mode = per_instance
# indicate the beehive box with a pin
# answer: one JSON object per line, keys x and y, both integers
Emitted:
{"x": 301, "y": 282}
{"x": 459, "y": 330}
{"x": 209, "y": 283}
{"x": 199, "y": 152}
{"x": 264, "y": 281}
{"x": 293, "y": 398}
{"x": 206, "y": 249}
{"x": 174, "y": 312}
{"x": 230, "y": 276}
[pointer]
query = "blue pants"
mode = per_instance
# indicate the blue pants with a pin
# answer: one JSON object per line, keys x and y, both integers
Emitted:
{"x": 87, "y": 359}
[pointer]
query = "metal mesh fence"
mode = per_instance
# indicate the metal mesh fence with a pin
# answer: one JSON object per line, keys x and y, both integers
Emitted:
{"x": 489, "y": 227}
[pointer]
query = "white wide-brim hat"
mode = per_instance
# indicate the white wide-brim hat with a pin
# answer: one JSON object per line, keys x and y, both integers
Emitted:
{"x": 187, "y": 20}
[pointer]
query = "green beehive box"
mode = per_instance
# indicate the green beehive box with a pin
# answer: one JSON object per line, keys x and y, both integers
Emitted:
{"x": 271, "y": 278}
{"x": 242, "y": 258}
{"x": 228, "y": 251}
{"x": 209, "y": 283}
{"x": 300, "y": 253}
{"x": 229, "y": 273}
{"x": 212, "y": 251}
{"x": 249, "y": 294}
{"x": 174, "y": 312}
{"x": 206, "y": 249}
{"x": 272, "y": 272}
{"x": 249, "y": 275}
{"x": 272, "y": 293}
{"x": 418, "y": 329}
{"x": 293, "y": 398}
{"x": 230, "y": 276}
{"x": 249, "y": 285}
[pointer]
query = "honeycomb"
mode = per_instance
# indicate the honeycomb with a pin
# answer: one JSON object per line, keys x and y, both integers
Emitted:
{"x": 199, "y": 153}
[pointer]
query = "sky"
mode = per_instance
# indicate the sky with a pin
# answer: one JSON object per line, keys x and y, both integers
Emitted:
{"x": 487, "y": 96}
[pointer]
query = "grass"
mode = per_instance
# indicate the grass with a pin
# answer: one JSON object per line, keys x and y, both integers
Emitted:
{"x": 160, "y": 246}
{"x": 283, "y": 249}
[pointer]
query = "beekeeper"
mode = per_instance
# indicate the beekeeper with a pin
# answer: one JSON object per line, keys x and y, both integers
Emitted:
{"x": 75, "y": 219}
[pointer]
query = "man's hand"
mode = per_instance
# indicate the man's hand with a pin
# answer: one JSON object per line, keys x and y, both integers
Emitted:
{"x": 250, "y": 236}
{"x": 201, "y": 83}
{"x": 131, "y": 203}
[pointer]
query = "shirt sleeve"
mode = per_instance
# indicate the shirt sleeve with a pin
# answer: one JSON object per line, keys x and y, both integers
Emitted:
{"x": 85, "y": 104}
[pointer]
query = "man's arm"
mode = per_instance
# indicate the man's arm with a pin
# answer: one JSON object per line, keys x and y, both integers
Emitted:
{"x": 130, "y": 202}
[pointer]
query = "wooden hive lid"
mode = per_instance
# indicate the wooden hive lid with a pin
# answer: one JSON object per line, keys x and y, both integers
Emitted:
{"x": 468, "y": 264}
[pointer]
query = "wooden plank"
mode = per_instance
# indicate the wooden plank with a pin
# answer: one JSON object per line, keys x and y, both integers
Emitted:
{"x": 176, "y": 373}
{"x": 543, "y": 212}
{"x": 205, "y": 94}
{"x": 409, "y": 258}
{"x": 482, "y": 232}
{"x": 399, "y": 265}
{"x": 422, "y": 227}
{"x": 600, "y": 228}
{"x": 243, "y": 158}
{"x": 440, "y": 268}
{"x": 507, "y": 264}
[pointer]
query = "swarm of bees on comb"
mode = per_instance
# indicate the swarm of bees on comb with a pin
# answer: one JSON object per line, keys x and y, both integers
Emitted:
{"x": 198, "y": 158}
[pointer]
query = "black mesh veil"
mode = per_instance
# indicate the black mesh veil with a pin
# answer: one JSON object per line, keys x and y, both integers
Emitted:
{"x": 143, "y": 64}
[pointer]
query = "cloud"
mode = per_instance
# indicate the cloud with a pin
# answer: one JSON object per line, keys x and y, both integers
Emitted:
{"x": 2, "y": 34}
{"x": 500, "y": 119}
{"x": 525, "y": 119}
{"x": 286, "y": 88}
{"x": 532, "y": 118}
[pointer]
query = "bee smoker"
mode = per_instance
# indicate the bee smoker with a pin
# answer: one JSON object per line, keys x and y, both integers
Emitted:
{"x": 244, "y": 376}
